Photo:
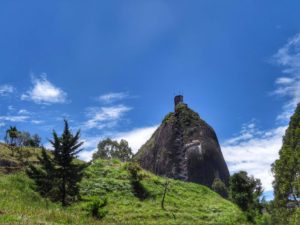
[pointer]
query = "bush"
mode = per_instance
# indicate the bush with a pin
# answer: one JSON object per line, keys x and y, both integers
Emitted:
{"x": 219, "y": 187}
{"x": 264, "y": 219}
{"x": 96, "y": 207}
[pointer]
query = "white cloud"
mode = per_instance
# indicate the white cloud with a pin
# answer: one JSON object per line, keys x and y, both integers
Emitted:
{"x": 136, "y": 138}
{"x": 11, "y": 108}
{"x": 6, "y": 89}
{"x": 288, "y": 57}
{"x": 36, "y": 121}
{"x": 23, "y": 112}
{"x": 254, "y": 150}
{"x": 44, "y": 92}
{"x": 105, "y": 116}
{"x": 254, "y": 153}
{"x": 2, "y": 124}
{"x": 112, "y": 97}
{"x": 14, "y": 118}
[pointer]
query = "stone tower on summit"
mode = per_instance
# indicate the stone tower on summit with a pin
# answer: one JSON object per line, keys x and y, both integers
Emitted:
{"x": 184, "y": 147}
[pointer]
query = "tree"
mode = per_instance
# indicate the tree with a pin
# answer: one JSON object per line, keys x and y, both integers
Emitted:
{"x": 16, "y": 138}
{"x": 109, "y": 149}
{"x": 44, "y": 176}
{"x": 11, "y": 136}
{"x": 219, "y": 187}
{"x": 59, "y": 175}
{"x": 26, "y": 139}
{"x": 35, "y": 141}
{"x": 245, "y": 191}
{"x": 286, "y": 169}
{"x": 123, "y": 151}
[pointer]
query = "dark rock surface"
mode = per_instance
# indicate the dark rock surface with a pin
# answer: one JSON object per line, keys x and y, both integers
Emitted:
{"x": 184, "y": 147}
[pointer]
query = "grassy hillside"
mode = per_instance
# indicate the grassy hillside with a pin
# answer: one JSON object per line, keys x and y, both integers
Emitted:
{"x": 185, "y": 203}
{"x": 12, "y": 160}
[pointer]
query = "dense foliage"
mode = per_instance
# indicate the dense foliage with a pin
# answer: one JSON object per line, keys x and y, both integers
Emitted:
{"x": 219, "y": 187}
{"x": 245, "y": 191}
{"x": 287, "y": 173}
{"x": 110, "y": 149}
{"x": 58, "y": 176}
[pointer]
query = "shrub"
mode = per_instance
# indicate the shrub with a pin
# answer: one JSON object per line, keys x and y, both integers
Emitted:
{"x": 219, "y": 187}
{"x": 96, "y": 207}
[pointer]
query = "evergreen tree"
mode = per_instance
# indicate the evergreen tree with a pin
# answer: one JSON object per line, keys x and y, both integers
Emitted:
{"x": 44, "y": 175}
{"x": 287, "y": 168}
{"x": 59, "y": 175}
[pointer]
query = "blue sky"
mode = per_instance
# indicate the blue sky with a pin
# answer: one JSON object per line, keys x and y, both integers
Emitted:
{"x": 112, "y": 68}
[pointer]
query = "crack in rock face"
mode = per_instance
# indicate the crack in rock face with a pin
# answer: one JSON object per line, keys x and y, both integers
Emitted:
{"x": 184, "y": 147}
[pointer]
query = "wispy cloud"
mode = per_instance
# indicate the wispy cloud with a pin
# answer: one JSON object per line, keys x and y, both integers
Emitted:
{"x": 254, "y": 151}
{"x": 288, "y": 85}
{"x": 44, "y": 92}
{"x": 37, "y": 121}
{"x": 100, "y": 117}
{"x": 6, "y": 89}
{"x": 10, "y": 118}
{"x": 23, "y": 112}
{"x": 113, "y": 97}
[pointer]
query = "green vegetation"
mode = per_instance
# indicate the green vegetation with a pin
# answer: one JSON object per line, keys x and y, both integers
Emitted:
{"x": 219, "y": 187}
{"x": 20, "y": 204}
{"x": 14, "y": 137}
{"x": 57, "y": 177}
{"x": 245, "y": 191}
{"x": 22, "y": 156}
{"x": 287, "y": 175}
{"x": 112, "y": 190}
{"x": 109, "y": 149}
{"x": 168, "y": 118}
{"x": 185, "y": 203}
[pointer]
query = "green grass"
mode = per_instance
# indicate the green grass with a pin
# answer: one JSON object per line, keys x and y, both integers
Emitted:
{"x": 14, "y": 159}
{"x": 20, "y": 204}
{"x": 185, "y": 203}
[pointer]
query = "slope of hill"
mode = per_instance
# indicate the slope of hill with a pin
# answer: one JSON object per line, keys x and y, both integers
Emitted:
{"x": 185, "y": 203}
{"x": 14, "y": 159}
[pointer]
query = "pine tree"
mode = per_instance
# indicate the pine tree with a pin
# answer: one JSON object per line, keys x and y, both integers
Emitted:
{"x": 287, "y": 168}
{"x": 44, "y": 175}
{"x": 59, "y": 175}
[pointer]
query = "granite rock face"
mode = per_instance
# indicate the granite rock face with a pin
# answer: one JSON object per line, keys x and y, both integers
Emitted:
{"x": 184, "y": 147}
